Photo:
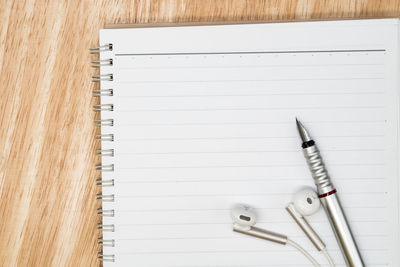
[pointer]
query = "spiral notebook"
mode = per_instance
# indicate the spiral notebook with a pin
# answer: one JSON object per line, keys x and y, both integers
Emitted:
{"x": 195, "y": 119}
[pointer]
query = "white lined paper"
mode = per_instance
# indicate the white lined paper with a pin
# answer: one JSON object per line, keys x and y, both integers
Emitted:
{"x": 196, "y": 132}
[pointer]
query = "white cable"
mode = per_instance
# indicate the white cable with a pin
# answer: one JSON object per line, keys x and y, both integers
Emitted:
{"x": 328, "y": 257}
{"x": 302, "y": 250}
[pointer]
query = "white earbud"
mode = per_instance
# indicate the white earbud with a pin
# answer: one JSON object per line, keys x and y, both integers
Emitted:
{"x": 244, "y": 218}
{"x": 306, "y": 203}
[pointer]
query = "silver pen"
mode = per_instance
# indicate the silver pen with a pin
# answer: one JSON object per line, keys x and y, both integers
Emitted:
{"x": 329, "y": 199}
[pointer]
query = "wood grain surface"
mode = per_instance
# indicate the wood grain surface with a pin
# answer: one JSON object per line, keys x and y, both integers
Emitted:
{"x": 47, "y": 177}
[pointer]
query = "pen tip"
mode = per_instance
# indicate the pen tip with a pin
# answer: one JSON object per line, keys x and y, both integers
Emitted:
{"x": 304, "y": 135}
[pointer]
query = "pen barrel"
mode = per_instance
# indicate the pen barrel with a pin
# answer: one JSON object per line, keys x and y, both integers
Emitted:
{"x": 342, "y": 230}
{"x": 318, "y": 170}
{"x": 333, "y": 209}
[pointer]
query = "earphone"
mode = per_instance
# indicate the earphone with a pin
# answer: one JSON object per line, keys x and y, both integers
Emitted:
{"x": 305, "y": 203}
{"x": 244, "y": 219}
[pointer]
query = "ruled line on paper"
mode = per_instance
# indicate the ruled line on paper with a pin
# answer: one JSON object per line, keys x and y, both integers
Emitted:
{"x": 286, "y": 250}
{"x": 256, "y": 123}
{"x": 383, "y": 264}
{"x": 122, "y": 96}
{"x": 261, "y": 123}
{"x": 242, "y": 194}
{"x": 216, "y": 180}
{"x": 274, "y": 108}
{"x": 251, "y": 80}
{"x": 242, "y": 152}
{"x": 257, "y": 52}
{"x": 228, "y": 209}
{"x": 231, "y": 251}
{"x": 250, "y": 66}
{"x": 246, "y": 166}
{"x": 230, "y": 223}
{"x": 241, "y": 265}
{"x": 250, "y": 137}
{"x": 234, "y": 237}
{"x": 257, "y": 265}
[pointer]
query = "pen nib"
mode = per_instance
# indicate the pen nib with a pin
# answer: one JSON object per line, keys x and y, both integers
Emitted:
{"x": 305, "y": 136}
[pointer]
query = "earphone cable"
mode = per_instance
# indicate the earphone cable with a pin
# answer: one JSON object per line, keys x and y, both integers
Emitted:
{"x": 303, "y": 251}
{"x": 328, "y": 257}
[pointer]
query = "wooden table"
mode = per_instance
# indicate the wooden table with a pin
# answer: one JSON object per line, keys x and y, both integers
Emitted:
{"x": 47, "y": 177}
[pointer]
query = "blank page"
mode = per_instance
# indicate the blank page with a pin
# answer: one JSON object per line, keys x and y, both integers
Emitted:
{"x": 204, "y": 118}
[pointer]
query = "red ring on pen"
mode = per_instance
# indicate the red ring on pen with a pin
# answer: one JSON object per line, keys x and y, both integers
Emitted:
{"x": 327, "y": 194}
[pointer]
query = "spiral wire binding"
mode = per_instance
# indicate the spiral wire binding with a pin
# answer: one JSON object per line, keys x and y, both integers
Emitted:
{"x": 106, "y": 122}
{"x": 104, "y": 62}
{"x": 105, "y": 152}
{"x": 99, "y": 49}
{"x": 109, "y": 137}
{"x": 102, "y": 77}
{"x": 106, "y": 227}
{"x": 105, "y": 213}
{"x": 105, "y": 168}
{"x": 106, "y": 242}
{"x": 103, "y": 257}
{"x": 103, "y": 183}
{"x": 103, "y": 107}
{"x": 107, "y": 198}
{"x": 105, "y": 137}
{"x": 103, "y": 92}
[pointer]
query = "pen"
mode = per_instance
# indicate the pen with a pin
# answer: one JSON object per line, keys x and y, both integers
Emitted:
{"x": 328, "y": 196}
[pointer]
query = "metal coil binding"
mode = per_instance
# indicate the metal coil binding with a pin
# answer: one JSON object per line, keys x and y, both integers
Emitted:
{"x": 102, "y": 48}
{"x": 102, "y": 77}
{"x": 104, "y": 257}
{"x": 104, "y": 152}
{"x": 105, "y": 137}
{"x": 106, "y": 242}
{"x": 106, "y": 227}
{"x": 105, "y": 168}
{"x": 106, "y": 122}
{"x": 105, "y": 213}
{"x": 104, "y": 62}
{"x": 103, "y": 92}
{"x": 102, "y": 183}
{"x": 103, "y": 107}
{"x": 107, "y": 198}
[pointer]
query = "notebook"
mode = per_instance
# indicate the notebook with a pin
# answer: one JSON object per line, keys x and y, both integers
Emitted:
{"x": 195, "y": 119}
